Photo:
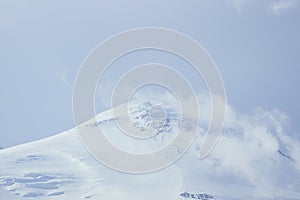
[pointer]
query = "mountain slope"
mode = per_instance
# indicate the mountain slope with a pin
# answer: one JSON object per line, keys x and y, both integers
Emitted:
{"x": 59, "y": 167}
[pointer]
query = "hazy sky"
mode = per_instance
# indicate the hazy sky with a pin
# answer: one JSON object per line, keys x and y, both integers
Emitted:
{"x": 254, "y": 43}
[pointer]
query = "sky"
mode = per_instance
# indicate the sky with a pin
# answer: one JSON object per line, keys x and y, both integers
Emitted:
{"x": 255, "y": 45}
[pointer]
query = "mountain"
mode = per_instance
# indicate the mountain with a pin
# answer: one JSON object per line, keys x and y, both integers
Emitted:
{"x": 59, "y": 167}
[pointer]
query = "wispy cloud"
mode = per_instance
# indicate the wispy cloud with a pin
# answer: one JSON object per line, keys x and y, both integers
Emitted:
{"x": 61, "y": 75}
{"x": 280, "y": 6}
{"x": 277, "y": 7}
{"x": 240, "y": 4}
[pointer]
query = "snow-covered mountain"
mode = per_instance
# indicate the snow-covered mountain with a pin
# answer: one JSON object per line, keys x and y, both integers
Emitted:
{"x": 240, "y": 167}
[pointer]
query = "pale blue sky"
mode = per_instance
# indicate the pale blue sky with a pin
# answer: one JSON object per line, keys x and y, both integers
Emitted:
{"x": 255, "y": 44}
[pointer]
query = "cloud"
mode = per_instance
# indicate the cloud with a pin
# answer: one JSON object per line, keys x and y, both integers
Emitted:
{"x": 256, "y": 148}
{"x": 280, "y": 6}
{"x": 61, "y": 75}
{"x": 277, "y": 7}
{"x": 240, "y": 4}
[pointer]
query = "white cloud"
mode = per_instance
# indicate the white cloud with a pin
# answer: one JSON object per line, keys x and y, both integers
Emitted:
{"x": 249, "y": 149}
{"x": 280, "y": 6}
{"x": 240, "y": 4}
{"x": 275, "y": 6}
{"x": 61, "y": 75}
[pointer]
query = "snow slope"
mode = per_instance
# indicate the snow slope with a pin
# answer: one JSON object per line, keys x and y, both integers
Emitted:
{"x": 59, "y": 167}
